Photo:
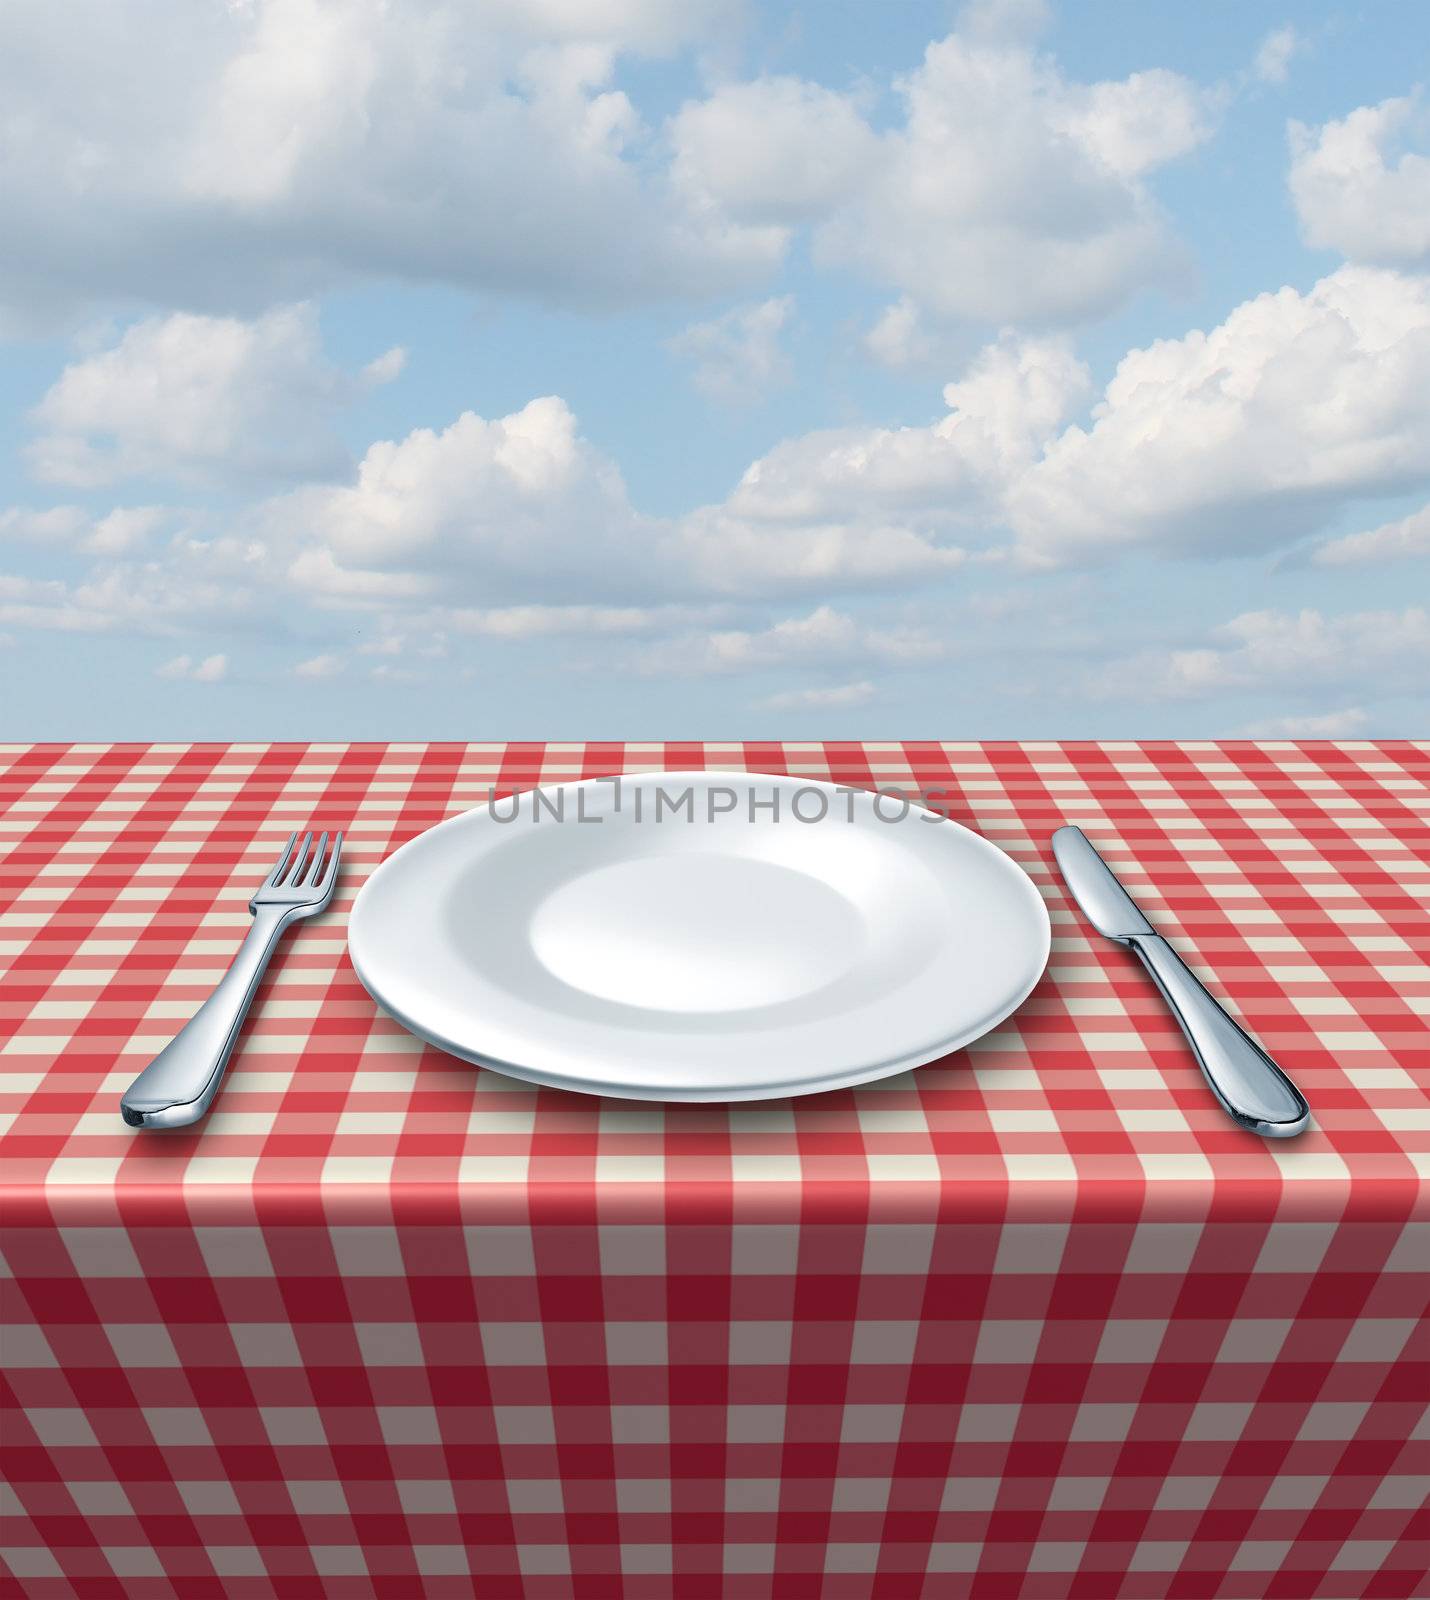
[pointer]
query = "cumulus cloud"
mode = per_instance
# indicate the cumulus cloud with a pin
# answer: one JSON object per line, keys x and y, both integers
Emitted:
{"x": 517, "y": 528}
{"x": 1361, "y": 185}
{"x": 649, "y": 27}
{"x": 1400, "y": 540}
{"x": 1273, "y": 58}
{"x": 187, "y": 586}
{"x": 265, "y": 151}
{"x": 1319, "y": 725}
{"x": 824, "y": 636}
{"x": 201, "y": 400}
{"x": 737, "y": 357}
{"x": 1011, "y": 195}
{"x": 1010, "y": 400}
{"x": 1134, "y": 125}
{"x": 538, "y": 621}
{"x": 838, "y": 697}
{"x": 321, "y": 666}
{"x": 212, "y": 669}
{"x": 1243, "y": 438}
{"x": 887, "y": 507}
{"x": 1280, "y": 652}
{"x": 882, "y": 508}
{"x": 1005, "y": 192}
{"x": 508, "y": 506}
{"x": 720, "y": 550}
{"x": 1247, "y": 436}
{"x": 899, "y": 337}
{"x": 123, "y": 530}
{"x": 521, "y": 508}
{"x": 51, "y": 525}
{"x": 775, "y": 150}
{"x": 128, "y": 528}
{"x": 384, "y": 368}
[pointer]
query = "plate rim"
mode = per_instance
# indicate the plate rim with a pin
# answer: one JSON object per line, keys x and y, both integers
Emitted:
{"x": 849, "y": 1078}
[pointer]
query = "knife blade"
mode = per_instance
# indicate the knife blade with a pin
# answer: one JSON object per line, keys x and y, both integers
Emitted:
{"x": 1104, "y": 902}
{"x": 1252, "y": 1089}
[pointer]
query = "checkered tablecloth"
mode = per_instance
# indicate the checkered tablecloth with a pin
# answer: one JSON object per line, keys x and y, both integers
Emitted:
{"x": 1035, "y": 1320}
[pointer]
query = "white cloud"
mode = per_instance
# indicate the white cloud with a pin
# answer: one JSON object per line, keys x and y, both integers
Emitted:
{"x": 650, "y": 27}
{"x": 521, "y": 509}
{"x": 1242, "y": 438}
{"x": 719, "y": 550}
{"x": 887, "y": 507}
{"x": 1322, "y": 725}
{"x": 1273, "y": 58}
{"x": 1134, "y": 125}
{"x": 266, "y": 151}
{"x": 127, "y": 528}
{"x": 1248, "y": 436}
{"x": 1361, "y": 185}
{"x": 538, "y": 621}
{"x": 46, "y": 603}
{"x": 1005, "y": 193}
{"x": 898, "y": 337}
{"x": 323, "y": 666}
{"x": 825, "y": 635}
{"x": 319, "y": 573}
{"x": 53, "y": 525}
{"x": 1011, "y": 195}
{"x": 1279, "y": 652}
{"x": 775, "y": 150}
{"x": 384, "y": 368}
{"x": 188, "y": 587}
{"x": 212, "y": 669}
{"x": 1245, "y": 437}
{"x": 508, "y": 507}
{"x": 386, "y": 672}
{"x": 737, "y": 358}
{"x": 522, "y": 522}
{"x": 840, "y": 697}
{"x": 1392, "y": 541}
{"x": 200, "y": 399}
{"x": 890, "y": 497}
{"x": 1005, "y": 21}
{"x": 123, "y": 530}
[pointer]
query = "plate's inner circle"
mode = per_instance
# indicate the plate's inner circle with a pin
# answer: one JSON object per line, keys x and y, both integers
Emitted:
{"x": 675, "y": 932}
{"x": 710, "y": 955}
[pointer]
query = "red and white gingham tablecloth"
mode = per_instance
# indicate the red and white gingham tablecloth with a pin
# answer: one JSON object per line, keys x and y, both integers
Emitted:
{"x": 1033, "y": 1321}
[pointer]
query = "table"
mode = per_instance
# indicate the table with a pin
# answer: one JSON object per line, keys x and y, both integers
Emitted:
{"x": 1035, "y": 1320}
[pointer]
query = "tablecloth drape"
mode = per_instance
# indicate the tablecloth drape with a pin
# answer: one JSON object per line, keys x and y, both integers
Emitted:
{"x": 1032, "y": 1321}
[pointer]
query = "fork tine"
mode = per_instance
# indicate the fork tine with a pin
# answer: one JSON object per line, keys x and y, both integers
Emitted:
{"x": 281, "y": 863}
{"x": 315, "y": 866}
{"x": 331, "y": 866}
{"x": 299, "y": 861}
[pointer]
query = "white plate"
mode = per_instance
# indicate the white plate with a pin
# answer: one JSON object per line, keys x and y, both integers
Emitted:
{"x": 699, "y": 946}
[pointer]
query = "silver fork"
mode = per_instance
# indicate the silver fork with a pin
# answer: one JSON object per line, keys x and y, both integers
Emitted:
{"x": 179, "y": 1084}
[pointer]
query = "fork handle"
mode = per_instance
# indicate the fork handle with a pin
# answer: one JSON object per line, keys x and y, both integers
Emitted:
{"x": 1254, "y": 1090}
{"x": 179, "y": 1084}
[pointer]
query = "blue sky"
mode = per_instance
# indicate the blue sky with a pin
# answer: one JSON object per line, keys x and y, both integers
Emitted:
{"x": 640, "y": 369}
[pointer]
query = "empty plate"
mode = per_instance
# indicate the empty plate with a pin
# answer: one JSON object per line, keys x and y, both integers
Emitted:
{"x": 699, "y": 936}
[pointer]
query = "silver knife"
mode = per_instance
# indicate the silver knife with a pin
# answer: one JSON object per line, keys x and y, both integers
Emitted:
{"x": 1254, "y": 1091}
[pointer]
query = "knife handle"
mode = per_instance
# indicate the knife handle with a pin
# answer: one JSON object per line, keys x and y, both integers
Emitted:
{"x": 1254, "y": 1090}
